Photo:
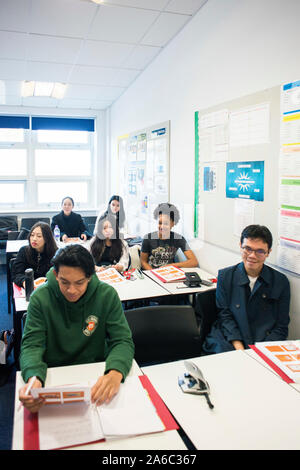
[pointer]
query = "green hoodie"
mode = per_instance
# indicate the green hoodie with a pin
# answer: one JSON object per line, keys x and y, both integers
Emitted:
{"x": 60, "y": 333}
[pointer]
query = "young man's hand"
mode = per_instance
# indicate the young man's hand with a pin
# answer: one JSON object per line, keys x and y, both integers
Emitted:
{"x": 106, "y": 387}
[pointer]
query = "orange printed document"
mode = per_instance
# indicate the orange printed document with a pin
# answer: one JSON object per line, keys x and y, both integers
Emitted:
{"x": 282, "y": 356}
{"x": 110, "y": 276}
{"x": 169, "y": 274}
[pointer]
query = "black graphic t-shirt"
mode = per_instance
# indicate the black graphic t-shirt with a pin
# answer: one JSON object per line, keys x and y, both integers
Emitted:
{"x": 162, "y": 251}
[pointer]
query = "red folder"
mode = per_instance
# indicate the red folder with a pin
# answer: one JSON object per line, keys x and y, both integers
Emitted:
{"x": 277, "y": 369}
{"x": 31, "y": 422}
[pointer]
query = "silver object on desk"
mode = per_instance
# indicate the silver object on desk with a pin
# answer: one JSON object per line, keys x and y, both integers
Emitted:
{"x": 194, "y": 382}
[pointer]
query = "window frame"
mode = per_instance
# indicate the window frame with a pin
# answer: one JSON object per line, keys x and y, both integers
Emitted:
{"x": 31, "y": 180}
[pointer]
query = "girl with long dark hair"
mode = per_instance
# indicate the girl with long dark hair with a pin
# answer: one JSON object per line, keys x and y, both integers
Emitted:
{"x": 36, "y": 255}
{"x": 107, "y": 248}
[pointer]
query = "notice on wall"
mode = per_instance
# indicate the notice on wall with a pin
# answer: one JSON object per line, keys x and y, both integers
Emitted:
{"x": 245, "y": 180}
{"x": 250, "y": 126}
{"x": 243, "y": 215}
{"x": 289, "y": 179}
{"x": 213, "y": 136}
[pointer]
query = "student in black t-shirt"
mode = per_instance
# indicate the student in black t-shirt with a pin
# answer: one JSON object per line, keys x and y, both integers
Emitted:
{"x": 69, "y": 223}
{"x": 159, "y": 248}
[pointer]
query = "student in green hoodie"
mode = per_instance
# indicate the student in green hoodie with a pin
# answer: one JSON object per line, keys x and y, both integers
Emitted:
{"x": 75, "y": 319}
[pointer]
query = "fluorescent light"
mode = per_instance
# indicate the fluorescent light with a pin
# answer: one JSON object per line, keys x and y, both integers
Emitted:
{"x": 48, "y": 89}
{"x": 59, "y": 90}
{"x": 98, "y": 1}
{"x": 27, "y": 88}
{"x": 43, "y": 88}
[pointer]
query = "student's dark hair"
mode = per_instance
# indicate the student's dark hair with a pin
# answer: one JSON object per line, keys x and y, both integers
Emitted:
{"x": 98, "y": 242}
{"x": 50, "y": 246}
{"x": 68, "y": 197}
{"x": 121, "y": 213}
{"x": 74, "y": 256}
{"x": 167, "y": 209}
{"x": 258, "y": 231}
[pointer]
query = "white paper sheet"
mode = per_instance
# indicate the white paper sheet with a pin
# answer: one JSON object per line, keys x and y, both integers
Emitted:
{"x": 130, "y": 412}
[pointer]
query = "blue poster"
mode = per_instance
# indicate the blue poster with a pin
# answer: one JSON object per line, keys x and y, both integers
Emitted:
{"x": 245, "y": 180}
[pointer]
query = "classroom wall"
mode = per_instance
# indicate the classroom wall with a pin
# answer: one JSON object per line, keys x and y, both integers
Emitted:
{"x": 231, "y": 48}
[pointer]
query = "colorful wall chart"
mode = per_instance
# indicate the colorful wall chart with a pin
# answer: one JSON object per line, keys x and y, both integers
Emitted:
{"x": 289, "y": 179}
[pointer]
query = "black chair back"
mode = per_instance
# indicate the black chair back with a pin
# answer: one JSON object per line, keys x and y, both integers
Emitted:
{"x": 13, "y": 235}
{"x": 28, "y": 223}
{"x": 7, "y": 223}
{"x": 163, "y": 333}
{"x": 206, "y": 312}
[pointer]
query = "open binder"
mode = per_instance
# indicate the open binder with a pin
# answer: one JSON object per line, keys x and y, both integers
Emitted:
{"x": 32, "y": 431}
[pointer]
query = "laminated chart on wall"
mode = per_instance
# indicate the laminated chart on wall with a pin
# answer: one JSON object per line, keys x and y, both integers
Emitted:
{"x": 245, "y": 180}
{"x": 143, "y": 174}
{"x": 289, "y": 179}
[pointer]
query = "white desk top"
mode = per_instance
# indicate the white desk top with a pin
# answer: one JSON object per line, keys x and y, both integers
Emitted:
{"x": 81, "y": 373}
{"x": 253, "y": 408}
{"x": 129, "y": 290}
{"x": 140, "y": 289}
{"x": 179, "y": 287}
{"x": 13, "y": 246}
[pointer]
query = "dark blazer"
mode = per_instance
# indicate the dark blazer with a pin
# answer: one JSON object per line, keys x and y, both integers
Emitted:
{"x": 40, "y": 266}
{"x": 260, "y": 315}
{"x": 71, "y": 225}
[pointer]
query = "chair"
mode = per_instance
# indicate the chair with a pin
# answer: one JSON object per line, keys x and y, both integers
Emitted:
{"x": 7, "y": 223}
{"x": 89, "y": 223}
{"x": 91, "y": 219}
{"x": 13, "y": 235}
{"x": 163, "y": 333}
{"x": 206, "y": 312}
{"x": 28, "y": 223}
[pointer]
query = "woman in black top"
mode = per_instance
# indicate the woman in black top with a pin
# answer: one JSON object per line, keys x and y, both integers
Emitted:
{"x": 37, "y": 255}
{"x": 69, "y": 223}
{"x": 107, "y": 248}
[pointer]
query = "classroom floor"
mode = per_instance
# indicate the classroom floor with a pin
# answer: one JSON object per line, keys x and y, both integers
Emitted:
{"x": 7, "y": 391}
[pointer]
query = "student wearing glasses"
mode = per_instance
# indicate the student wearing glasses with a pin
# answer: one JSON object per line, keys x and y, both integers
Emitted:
{"x": 253, "y": 299}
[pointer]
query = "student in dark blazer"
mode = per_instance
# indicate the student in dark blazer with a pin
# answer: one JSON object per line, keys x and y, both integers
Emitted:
{"x": 69, "y": 223}
{"x": 253, "y": 299}
{"x": 36, "y": 255}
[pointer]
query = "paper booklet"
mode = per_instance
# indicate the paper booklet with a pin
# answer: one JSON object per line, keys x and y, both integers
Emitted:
{"x": 282, "y": 356}
{"x": 110, "y": 276}
{"x": 136, "y": 409}
{"x": 169, "y": 273}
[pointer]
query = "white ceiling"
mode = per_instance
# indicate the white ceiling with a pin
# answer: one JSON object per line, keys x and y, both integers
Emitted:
{"x": 98, "y": 50}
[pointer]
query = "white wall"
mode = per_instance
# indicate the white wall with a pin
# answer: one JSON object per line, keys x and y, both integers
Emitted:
{"x": 230, "y": 48}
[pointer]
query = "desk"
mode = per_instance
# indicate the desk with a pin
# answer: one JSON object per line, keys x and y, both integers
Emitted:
{"x": 255, "y": 356}
{"x": 84, "y": 372}
{"x": 253, "y": 408}
{"x": 179, "y": 287}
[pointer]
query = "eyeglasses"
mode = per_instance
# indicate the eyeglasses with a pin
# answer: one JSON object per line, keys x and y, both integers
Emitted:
{"x": 260, "y": 253}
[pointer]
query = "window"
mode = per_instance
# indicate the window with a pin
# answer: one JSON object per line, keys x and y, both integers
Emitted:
{"x": 43, "y": 160}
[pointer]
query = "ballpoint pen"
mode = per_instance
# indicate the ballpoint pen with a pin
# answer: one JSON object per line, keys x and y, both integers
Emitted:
{"x": 30, "y": 384}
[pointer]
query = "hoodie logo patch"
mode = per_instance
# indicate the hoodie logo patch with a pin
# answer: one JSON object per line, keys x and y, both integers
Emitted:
{"x": 92, "y": 323}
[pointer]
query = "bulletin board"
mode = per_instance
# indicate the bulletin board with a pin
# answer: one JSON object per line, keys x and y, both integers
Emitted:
{"x": 238, "y": 149}
{"x": 144, "y": 174}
